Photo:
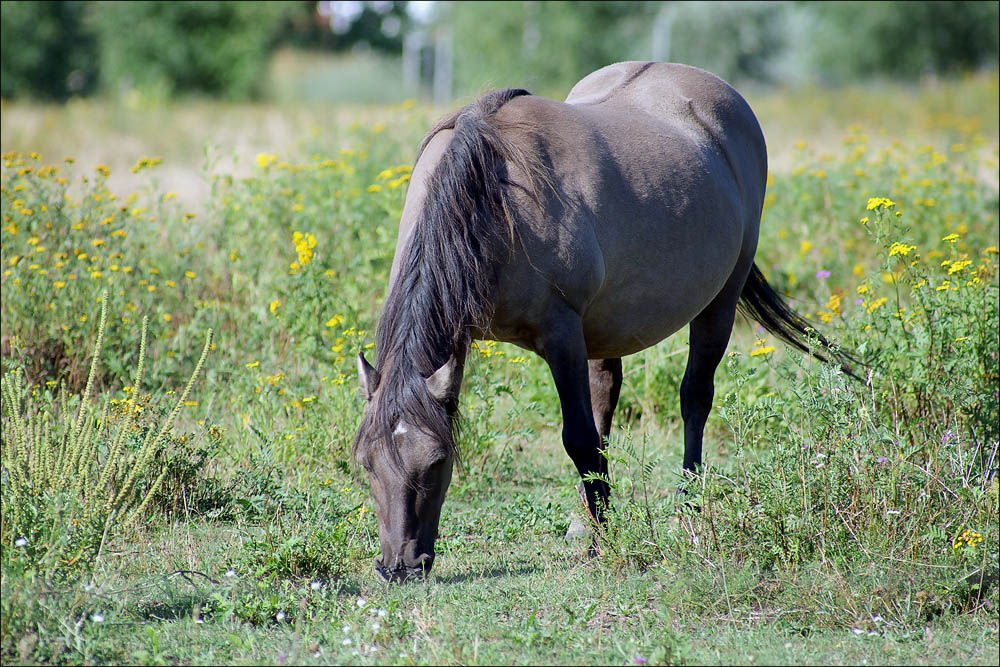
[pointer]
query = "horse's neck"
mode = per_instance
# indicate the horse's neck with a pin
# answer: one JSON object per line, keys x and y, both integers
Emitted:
{"x": 408, "y": 361}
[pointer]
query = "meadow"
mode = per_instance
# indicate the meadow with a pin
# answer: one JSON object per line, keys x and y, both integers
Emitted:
{"x": 185, "y": 289}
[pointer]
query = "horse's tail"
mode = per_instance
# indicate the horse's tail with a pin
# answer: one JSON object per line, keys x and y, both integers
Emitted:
{"x": 760, "y": 302}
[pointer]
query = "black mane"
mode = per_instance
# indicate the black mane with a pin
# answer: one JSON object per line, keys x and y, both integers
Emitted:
{"x": 441, "y": 291}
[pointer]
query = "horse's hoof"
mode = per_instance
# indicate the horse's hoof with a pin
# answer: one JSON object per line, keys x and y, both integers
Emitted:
{"x": 577, "y": 529}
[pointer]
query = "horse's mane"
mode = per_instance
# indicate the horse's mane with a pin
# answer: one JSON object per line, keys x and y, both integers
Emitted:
{"x": 441, "y": 292}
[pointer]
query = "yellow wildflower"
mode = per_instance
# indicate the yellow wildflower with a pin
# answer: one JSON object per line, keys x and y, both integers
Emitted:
{"x": 876, "y": 202}
{"x": 874, "y": 305}
{"x": 958, "y": 266}
{"x": 304, "y": 244}
{"x": 900, "y": 249}
{"x": 834, "y": 303}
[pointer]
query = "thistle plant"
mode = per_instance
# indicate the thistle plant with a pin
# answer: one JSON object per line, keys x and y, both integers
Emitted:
{"x": 70, "y": 480}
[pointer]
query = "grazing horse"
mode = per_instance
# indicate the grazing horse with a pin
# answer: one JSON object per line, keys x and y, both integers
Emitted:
{"x": 583, "y": 231}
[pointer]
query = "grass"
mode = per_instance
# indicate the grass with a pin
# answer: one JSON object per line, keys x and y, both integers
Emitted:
{"x": 839, "y": 523}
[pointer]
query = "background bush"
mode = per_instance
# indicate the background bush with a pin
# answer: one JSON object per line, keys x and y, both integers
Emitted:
{"x": 212, "y": 48}
{"x": 45, "y": 50}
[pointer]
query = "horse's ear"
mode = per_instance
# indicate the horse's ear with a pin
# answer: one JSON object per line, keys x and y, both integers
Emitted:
{"x": 367, "y": 376}
{"x": 442, "y": 383}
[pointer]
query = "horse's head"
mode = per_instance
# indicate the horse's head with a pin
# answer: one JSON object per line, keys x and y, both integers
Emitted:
{"x": 406, "y": 447}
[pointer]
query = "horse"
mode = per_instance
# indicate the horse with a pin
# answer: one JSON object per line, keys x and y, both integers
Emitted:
{"x": 583, "y": 231}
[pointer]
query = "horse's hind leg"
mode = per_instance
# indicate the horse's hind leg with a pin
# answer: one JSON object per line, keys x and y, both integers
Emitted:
{"x": 709, "y": 336}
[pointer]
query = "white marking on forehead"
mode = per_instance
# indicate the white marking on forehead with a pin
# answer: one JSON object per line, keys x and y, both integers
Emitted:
{"x": 400, "y": 430}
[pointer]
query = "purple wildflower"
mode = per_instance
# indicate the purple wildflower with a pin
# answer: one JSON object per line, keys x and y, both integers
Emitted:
{"x": 823, "y": 274}
{"x": 639, "y": 660}
{"x": 881, "y": 459}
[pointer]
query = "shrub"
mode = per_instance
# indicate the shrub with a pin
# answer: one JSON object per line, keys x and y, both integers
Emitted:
{"x": 45, "y": 50}
{"x": 71, "y": 480}
{"x": 212, "y": 48}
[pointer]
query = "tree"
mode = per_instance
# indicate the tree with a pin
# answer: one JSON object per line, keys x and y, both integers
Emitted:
{"x": 213, "y": 48}
{"x": 45, "y": 50}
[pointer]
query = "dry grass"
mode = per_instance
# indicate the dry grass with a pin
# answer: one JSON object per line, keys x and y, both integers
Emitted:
{"x": 118, "y": 134}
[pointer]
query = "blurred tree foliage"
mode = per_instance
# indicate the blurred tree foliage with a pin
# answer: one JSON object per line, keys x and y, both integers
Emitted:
{"x": 309, "y": 25}
{"x": 543, "y": 46}
{"x": 551, "y": 45}
{"x": 45, "y": 50}
{"x": 905, "y": 39}
{"x": 53, "y": 50}
{"x": 213, "y": 48}
{"x": 734, "y": 40}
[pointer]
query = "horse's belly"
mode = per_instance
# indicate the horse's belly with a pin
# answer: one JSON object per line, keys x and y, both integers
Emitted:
{"x": 613, "y": 329}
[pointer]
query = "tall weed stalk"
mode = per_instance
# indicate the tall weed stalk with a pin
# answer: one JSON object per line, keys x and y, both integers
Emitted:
{"x": 71, "y": 480}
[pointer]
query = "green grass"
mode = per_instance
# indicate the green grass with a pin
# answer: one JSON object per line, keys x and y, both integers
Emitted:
{"x": 838, "y": 521}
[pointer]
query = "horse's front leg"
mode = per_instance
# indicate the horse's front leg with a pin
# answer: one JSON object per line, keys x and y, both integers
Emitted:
{"x": 605, "y": 388}
{"x": 565, "y": 350}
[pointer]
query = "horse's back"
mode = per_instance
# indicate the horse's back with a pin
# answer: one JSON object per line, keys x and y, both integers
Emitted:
{"x": 660, "y": 170}
{"x": 683, "y": 97}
